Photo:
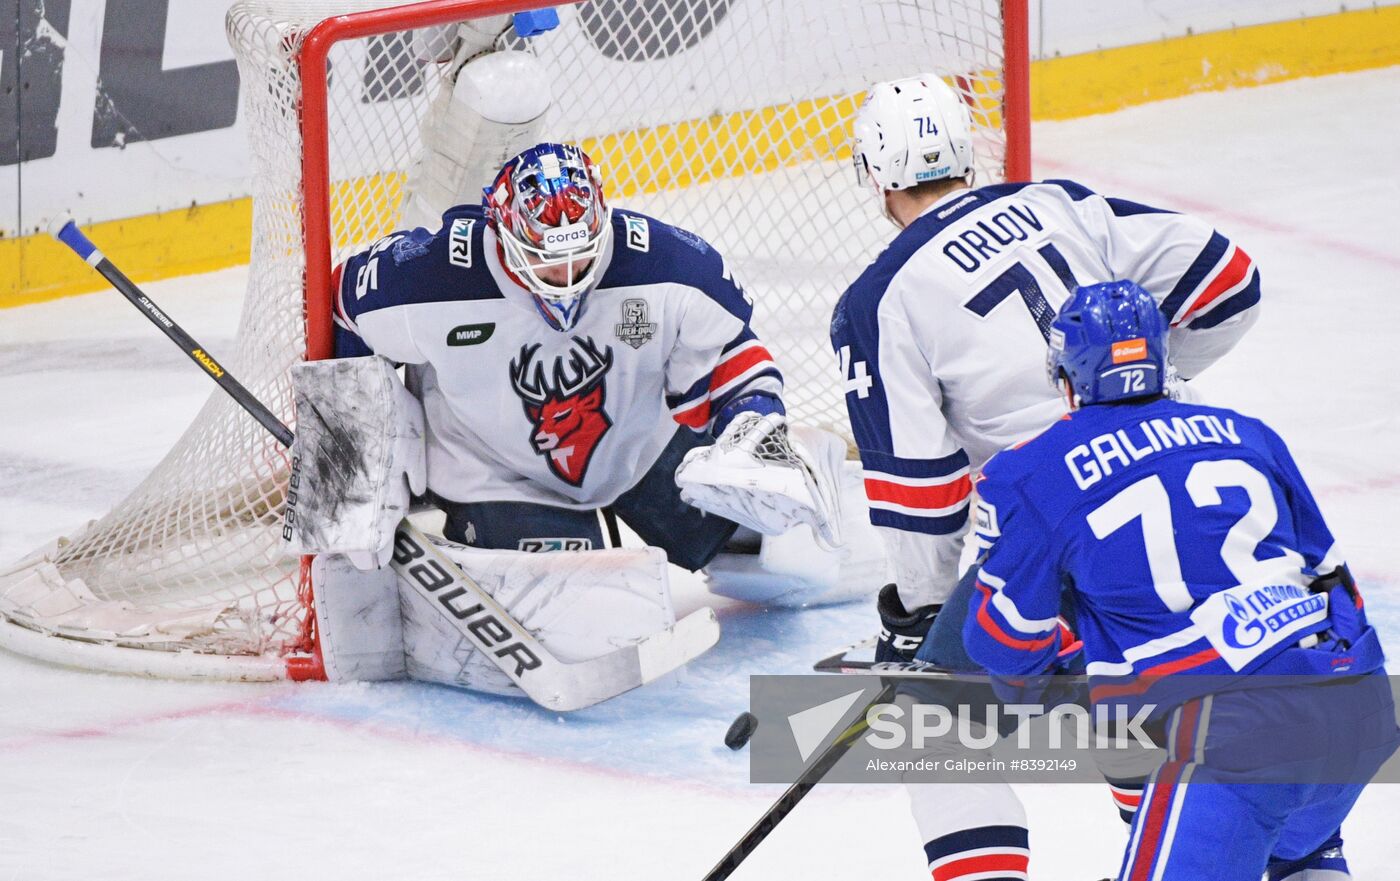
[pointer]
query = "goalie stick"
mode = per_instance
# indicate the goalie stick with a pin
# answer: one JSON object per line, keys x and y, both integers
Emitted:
{"x": 548, "y": 681}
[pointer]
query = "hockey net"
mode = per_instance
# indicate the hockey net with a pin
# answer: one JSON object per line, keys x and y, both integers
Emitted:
{"x": 728, "y": 117}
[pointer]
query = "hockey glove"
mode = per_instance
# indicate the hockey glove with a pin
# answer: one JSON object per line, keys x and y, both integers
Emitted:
{"x": 761, "y": 476}
{"x": 902, "y": 632}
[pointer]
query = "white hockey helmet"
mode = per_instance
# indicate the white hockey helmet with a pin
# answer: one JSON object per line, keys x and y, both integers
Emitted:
{"x": 911, "y": 131}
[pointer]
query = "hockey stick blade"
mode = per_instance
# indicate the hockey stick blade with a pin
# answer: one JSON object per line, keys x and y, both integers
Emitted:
{"x": 550, "y": 682}
{"x": 859, "y": 659}
{"x": 855, "y": 658}
{"x": 554, "y": 684}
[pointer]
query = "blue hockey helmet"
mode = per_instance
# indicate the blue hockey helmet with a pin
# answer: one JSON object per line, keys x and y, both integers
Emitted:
{"x": 1110, "y": 340}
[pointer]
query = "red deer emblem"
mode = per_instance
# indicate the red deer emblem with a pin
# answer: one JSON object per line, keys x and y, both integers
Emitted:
{"x": 567, "y": 407}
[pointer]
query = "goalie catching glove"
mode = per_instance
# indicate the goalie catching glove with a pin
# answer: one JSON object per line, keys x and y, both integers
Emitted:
{"x": 762, "y": 475}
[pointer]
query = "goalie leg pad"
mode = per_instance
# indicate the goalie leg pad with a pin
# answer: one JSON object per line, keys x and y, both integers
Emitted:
{"x": 793, "y": 569}
{"x": 358, "y": 621}
{"x": 579, "y": 605}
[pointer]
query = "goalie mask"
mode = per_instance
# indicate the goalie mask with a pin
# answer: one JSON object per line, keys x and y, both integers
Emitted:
{"x": 546, "y": 206}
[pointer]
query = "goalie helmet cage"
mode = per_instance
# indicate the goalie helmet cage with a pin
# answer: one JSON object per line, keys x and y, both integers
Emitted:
{"x": 730, "y": 118}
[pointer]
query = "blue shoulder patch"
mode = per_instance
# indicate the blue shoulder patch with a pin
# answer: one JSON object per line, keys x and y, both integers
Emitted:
{"x": 414, "y": 244}
{"x": 1128, "y": 208}
{"x": 648, "y": 251}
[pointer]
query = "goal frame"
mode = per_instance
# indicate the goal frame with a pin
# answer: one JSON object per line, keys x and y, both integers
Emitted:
{"x": 315, "y": 123}
{"x": 301, "y": 659}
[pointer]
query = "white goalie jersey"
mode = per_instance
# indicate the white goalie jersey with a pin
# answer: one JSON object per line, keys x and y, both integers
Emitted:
{"x": 517, "y": 411}
{"x": 942, "y": 341}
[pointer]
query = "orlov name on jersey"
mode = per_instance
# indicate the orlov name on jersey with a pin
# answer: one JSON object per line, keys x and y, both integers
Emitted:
{"x": 565, "y": 404}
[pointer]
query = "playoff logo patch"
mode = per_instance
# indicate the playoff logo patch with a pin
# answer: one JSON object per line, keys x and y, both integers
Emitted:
{"x": 634, "y": 329}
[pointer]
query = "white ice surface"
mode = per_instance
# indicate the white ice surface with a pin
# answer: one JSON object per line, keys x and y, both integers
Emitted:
{"x": 107, "y": 777}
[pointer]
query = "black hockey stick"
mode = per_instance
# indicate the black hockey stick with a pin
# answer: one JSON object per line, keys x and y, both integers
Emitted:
{"x": 847, "y": 661}
{"x": 805, "y": 783}
{"x": 843, "y": 662}
{"x": 548, "y": 681}
{"x": 67, "y": 232}
{"x": 889, "y": 672}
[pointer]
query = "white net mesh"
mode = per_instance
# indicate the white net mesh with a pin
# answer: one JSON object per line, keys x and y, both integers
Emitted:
{"x": 728, "y": 117}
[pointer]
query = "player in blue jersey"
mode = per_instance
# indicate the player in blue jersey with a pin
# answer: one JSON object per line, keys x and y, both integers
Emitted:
{"x": 942, "y": 342}
{"x": 1186, "y": 543}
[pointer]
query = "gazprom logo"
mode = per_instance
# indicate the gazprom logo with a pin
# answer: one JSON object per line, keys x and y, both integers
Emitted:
{"x": 1241, "y": 629}
{"x": 1238, "y": 609}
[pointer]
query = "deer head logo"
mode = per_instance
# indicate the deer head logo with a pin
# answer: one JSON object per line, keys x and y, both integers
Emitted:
{"x": 565, "y": 405}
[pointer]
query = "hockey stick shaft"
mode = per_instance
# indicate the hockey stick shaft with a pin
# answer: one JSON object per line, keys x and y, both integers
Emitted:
{"x": 793, "y": 795}
{"x": 494, "y": 632}
{"x": 409, "y": 543}
{"x": 68, "y": 233}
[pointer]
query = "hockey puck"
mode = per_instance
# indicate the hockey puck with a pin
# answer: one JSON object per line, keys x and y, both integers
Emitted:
{"x": 740, "y": 730}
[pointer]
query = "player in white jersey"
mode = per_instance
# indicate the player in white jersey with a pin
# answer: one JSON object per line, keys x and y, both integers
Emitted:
{"x": 561, "y": 357}
{"x": 942, "y": 341}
